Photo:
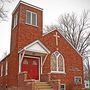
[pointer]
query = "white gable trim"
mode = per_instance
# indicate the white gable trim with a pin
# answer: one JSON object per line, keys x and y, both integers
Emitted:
{"x": 34, "y": 48}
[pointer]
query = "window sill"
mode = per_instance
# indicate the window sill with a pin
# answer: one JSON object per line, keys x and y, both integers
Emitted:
{"x": 56, "y": 72}
{"x": 32, "y": 25}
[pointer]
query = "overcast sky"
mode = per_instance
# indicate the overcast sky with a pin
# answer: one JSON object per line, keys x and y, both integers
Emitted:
{"x": 52, "y": 10}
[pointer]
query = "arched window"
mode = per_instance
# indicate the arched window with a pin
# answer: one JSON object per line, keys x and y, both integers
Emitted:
{"x": 57, "y": 62}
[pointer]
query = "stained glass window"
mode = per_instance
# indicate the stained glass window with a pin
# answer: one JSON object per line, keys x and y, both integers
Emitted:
{"x": 60, "y": 63}
{"x": 57, "y": 62}
{"x": 53, "y": 63}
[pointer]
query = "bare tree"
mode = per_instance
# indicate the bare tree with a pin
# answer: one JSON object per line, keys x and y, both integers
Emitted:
{"x": 77, "y": 32}
{"x": 3, "y": 11}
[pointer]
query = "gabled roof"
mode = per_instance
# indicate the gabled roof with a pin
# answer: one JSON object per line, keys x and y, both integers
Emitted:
{"x": 36, "y": 46}
{"x": 64, "y": 38}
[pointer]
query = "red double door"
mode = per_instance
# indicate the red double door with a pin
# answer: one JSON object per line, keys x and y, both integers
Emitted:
{"x": 31, "y": 66}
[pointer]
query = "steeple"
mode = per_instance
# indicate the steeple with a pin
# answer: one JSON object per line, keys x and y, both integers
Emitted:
{"x": 27, "y": 23}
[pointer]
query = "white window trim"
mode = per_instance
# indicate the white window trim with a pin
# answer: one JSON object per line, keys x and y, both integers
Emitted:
{"x": 31, "y": 18}
{"x": 1, "y": 69}
{"x": 77, "y": 77}
{"x": 61, "y": 72}
{"x": 6, "y": 68}
{"x": 64, "y": 86}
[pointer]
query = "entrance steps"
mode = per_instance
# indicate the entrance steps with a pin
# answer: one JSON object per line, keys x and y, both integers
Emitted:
{"x": 43, "y": 86}
{"x": 38, "y": 85}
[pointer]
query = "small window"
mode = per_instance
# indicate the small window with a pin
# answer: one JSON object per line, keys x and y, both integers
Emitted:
{"x": 15, "y": 20}
{"x": 62, "y": 87}
{"x": 78, "y": 80}
{"x": 31, "y": 18}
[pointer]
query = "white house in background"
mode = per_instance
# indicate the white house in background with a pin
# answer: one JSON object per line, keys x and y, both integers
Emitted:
{"x": 87, "y": 84}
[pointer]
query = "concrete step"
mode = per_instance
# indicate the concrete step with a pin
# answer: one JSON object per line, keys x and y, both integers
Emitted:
{"x": 43, "y": 86}
{"x": 43, "y": 83}
{"x": 45, "y": 89}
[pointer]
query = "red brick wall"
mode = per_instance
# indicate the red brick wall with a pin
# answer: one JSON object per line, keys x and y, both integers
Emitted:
{"x": 11, "y": 79}
{"x": 28, "y": 33}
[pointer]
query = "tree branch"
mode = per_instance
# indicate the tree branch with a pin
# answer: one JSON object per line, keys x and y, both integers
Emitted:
{"x": 84, "y": 42}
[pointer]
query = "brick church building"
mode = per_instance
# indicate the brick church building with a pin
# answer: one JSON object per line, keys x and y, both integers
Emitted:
{"x": 39, "y": 61}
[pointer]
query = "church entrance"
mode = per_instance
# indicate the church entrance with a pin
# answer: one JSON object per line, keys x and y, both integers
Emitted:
{"x": 31, "y": 66}
{"x": 31, "y": 59}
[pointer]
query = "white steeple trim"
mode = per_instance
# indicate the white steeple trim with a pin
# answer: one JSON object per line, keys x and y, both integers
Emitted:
{"x": 25, "y": 3}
